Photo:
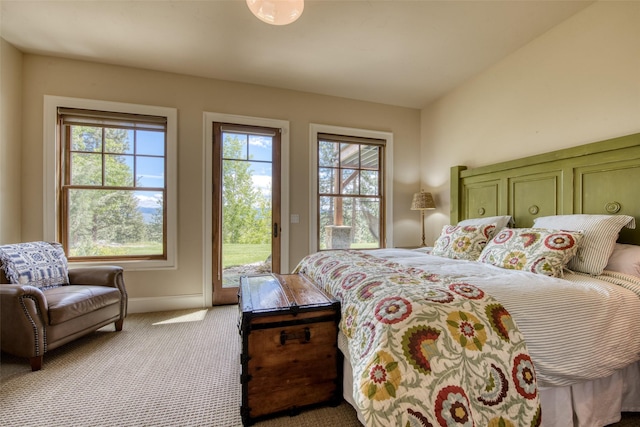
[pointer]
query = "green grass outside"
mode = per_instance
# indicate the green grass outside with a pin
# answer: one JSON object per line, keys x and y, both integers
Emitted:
{"x": 242, "y": 254}
{"x": 146, "y": 249}
{"x": 142, "y": 248}
{"x": 233, "y": 253}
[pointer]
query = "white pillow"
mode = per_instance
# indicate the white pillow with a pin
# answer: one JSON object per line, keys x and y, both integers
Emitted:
{"x": 600, "y": 235}
{"x": 625, "y": 259}
{"x": 501, "y": 222}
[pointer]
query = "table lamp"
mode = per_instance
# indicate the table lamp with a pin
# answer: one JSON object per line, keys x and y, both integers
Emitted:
{"x": 422, "y": 201}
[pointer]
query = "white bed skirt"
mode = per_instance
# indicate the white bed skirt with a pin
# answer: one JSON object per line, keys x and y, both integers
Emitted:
{"x": 594, "y": 403}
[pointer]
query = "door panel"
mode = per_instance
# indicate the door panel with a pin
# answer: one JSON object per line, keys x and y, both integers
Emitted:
{"x": 482, "y": 199}
{"x": 534, "y": 196}
{"x": 598, "y": 191}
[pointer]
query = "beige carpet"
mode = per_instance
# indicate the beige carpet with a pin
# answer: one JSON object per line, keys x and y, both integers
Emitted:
{"x": 178, "y": 368}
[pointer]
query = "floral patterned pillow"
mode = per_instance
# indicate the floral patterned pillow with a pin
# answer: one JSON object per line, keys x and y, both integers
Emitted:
{"x": 537, "y": 250}
{"x": 463, "y": 242}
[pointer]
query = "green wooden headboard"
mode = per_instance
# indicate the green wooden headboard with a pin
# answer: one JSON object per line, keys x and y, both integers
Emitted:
{"x": 598, "y": 178}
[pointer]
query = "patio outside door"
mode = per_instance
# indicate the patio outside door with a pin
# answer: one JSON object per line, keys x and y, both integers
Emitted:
{"x": 246, "y": 206}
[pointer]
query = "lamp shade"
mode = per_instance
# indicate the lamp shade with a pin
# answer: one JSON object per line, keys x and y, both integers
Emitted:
{"x": 276, "y": 12}
{"x": 422, "y": 201}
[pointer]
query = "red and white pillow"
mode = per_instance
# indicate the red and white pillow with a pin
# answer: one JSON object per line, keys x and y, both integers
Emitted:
{"x": 536, "y": 250}
{"x": 463, "y": 242}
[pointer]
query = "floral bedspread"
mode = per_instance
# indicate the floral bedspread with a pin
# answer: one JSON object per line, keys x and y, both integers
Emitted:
{"x": 427, "y": 350}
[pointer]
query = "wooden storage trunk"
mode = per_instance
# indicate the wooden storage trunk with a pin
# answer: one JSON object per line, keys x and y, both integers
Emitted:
{"x": 289, "y": 346}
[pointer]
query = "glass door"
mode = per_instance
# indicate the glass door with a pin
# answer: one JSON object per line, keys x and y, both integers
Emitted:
{"x": 246, "y": 206}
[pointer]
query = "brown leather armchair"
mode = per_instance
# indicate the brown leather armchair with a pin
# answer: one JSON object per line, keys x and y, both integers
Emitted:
{"x": 34, "y": 320}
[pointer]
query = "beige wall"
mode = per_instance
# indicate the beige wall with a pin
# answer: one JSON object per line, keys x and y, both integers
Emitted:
{"x": 192, "y": 96}
{"x": 10, "y": 142}
{"x": 578, "y": 83}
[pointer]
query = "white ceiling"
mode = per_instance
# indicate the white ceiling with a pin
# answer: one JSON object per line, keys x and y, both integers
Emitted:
{"x": 404, "y": 53}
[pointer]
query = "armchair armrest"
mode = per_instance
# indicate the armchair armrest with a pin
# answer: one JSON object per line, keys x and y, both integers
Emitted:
{"x": 23, "y": 316}
{"x": 107, "y": 275}
{"x": 103, "y": 275}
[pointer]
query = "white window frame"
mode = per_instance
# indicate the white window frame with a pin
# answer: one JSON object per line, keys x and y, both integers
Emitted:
{"x": 314, "y": 130}
{"x": 51, "y": 183}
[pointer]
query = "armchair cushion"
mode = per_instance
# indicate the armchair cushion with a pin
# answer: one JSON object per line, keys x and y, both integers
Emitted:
{"x": 68, "y": 302}
{"x": 39, "y": 264}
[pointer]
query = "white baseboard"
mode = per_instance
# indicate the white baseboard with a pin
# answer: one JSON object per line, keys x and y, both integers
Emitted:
{"x": 178, "y": 302}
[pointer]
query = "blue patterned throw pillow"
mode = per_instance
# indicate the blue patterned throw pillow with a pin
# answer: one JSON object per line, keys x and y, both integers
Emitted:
{"x": 40, "y": 264}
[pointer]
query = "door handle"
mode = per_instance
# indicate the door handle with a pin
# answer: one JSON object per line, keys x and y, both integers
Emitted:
{"x": 275, "y": 229}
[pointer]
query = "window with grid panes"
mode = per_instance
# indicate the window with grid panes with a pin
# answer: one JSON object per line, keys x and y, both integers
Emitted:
{"x": 350, "y": 192}
{"x": 113, "y": 185}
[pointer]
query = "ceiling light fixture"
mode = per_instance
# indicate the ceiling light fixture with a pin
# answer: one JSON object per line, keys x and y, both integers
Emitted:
{"x": 276, "y": 12}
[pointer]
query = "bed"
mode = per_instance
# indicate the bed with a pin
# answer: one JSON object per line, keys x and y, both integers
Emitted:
{"x": 555, "y": 329}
